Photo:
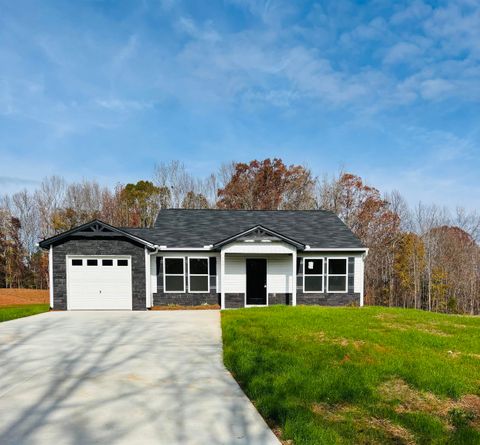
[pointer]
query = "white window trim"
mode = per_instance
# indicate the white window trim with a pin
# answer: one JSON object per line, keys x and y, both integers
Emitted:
{"x": 337, "y": 275}
{"x": 199, "y": 274}
{"x": 173, "y": 275}
{"x": 305, "y": 259}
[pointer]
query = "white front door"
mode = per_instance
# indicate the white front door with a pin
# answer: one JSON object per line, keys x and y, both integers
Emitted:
{"x": 99, "y": 282}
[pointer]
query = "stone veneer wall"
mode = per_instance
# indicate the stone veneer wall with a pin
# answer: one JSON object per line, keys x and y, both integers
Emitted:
{"x": 327, "y": 299}
{"x": 274, "y": 299}
{"x": 98, "y": 246}
{"x": 161, "y": 298}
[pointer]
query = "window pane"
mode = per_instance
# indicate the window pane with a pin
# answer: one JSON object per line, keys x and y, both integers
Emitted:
{"x": 107, "y": 262}
{"x": 313, "y": 267}
{"x": 198, "y": 266}
{"x": 199, "y": 284}
{"x": 122, "y": 262}
{"x": 173, "y": 283}
{"x": 337, "y": 284}
{"x": 173, "y": 265}
{"x": 77, "y": 262}
{"x": 337, "y": 266}
{"x": 313, "y": 284}
{"x": 92, "y": 262}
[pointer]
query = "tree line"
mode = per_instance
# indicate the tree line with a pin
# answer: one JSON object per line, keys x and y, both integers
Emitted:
{"x": 424, "y": 257}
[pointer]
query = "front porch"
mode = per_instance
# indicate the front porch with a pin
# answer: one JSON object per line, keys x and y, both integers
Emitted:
{"x": 257, "y": 274}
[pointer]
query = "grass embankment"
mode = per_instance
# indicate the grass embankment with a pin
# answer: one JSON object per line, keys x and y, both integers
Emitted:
{"x": 10, "y": 313}
{"x": 358, "y": 375}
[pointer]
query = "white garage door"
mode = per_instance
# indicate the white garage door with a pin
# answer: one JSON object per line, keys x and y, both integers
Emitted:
{"x": 96, "y": 282}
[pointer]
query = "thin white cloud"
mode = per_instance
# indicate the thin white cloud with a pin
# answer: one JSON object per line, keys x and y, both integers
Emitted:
{"x": 415, "y": 11}
{"x": 126, "y": 51}
{"x": 115, "y": 104}
{"x": 402, "y": 52}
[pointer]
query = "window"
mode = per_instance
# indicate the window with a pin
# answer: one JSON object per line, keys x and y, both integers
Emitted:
{"x": 198, "y": 275}
{"x": 313, "y": 274}
{"x": 337, "y": 275}
{"x": 174, "y": 274}
{"x": 107, "y": 262}
{"x": 122, "y": 262}
{"x": 77, "y": 262}
{"x": 92, "y": 262}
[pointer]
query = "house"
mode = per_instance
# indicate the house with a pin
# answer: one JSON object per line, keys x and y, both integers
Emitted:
{"x": 235, "y": 258}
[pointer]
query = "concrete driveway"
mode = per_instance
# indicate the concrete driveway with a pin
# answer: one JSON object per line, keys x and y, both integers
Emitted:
{"x": 121, "y": 378}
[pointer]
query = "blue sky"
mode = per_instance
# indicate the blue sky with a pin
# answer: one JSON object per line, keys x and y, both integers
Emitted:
{"x": 105, "y": 89}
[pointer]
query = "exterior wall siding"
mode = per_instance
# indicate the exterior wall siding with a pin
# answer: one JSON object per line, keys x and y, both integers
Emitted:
{"x": 234, "y": 300}
{"x": 98, "y": 246}
{"x": 359, "y": 273}
{"x": 161, "y": 298}
{"x": 328, "y": 298}
{"x": 234, "y": 281}
{"x": 275, "y": 299}
{"x": 186, "y": 299}
{"x": 279, "y": 274}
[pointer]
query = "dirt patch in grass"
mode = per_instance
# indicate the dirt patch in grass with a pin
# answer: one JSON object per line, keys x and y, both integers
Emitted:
{"x": 174, "y": 307}
{"x": 341, "y": 413}
{"x": 17, "y": 297}
{"x": 395, "y": 326}
{"x": 386, "y": 316}
{"x": 470, "y": 403}
{"x": 422, "y": 327}
{"x": 321, "y": 337}
{"x": 430, "y": 329}
{"x": 392, "y": 430}
{"x": 410, "y": 400}
{"x": 279, "y": 433}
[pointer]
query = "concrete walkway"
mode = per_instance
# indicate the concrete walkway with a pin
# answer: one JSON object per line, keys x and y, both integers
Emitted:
{"x": 131, "y": 378}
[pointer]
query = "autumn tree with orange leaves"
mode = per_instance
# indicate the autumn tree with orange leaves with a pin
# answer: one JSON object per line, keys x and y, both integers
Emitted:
{"x": 268, "y": 185}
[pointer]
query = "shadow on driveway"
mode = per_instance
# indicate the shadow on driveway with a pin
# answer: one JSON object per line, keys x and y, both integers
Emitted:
{"x": 121, "y": 378}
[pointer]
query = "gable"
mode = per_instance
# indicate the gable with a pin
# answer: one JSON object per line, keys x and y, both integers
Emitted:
{"x": 258, "y": 234}
{"x": 93, "y": 230}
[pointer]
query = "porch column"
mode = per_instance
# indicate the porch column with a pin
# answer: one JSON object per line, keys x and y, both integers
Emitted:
{"x": 294, "y": 278}
{"x": 222, "y": 278}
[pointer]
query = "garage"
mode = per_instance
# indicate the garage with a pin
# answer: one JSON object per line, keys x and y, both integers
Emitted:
{"x": 99, "y": 282}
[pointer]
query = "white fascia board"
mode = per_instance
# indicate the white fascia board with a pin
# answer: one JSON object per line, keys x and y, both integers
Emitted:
{"x": 162, "y": 248}
{"x": 338, "y": 249}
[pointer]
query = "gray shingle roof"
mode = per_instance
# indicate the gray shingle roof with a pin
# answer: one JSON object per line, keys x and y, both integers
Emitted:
{"x": 198, "y": 228}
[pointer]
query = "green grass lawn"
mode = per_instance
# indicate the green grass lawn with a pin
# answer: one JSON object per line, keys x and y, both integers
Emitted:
{"x": 10, "y": 313}
{"x": 358, "y": 375}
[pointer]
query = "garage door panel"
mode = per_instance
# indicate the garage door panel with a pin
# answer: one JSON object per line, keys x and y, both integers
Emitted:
{"x": 99, "y": 287}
